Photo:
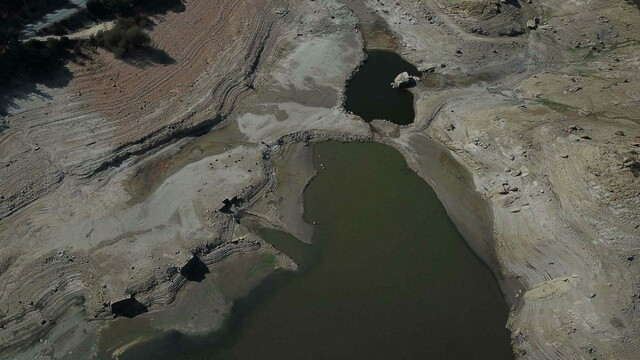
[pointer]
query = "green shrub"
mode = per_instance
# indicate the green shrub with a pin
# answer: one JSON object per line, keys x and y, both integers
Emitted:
{"x": 34, "y": 58}
{"x": 125, "y": 37}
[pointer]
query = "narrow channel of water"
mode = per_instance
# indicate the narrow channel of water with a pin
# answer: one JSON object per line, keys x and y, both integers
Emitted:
{"x": 369, "y": 93}
{"x": 388, "y": 277}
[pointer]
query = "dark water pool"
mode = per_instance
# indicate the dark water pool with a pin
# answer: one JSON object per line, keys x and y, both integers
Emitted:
{"x": 388, "y": 277}
{"x": 369, "y": 93}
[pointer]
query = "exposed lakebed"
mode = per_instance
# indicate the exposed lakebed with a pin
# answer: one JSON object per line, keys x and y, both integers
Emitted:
{"x": 388, "y": 276}
{"x": 369, "y": 93}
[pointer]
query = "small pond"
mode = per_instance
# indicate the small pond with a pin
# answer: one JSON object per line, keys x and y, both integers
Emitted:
{"x": 369, "y": 93}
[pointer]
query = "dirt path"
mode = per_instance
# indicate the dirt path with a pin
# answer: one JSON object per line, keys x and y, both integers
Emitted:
{"x": 32, "y": 29}
{"x": 81, "y": 34}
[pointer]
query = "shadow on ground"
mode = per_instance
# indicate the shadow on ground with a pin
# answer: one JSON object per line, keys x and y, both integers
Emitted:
{"x": 59, "y": 76}
{"x": 149, "y": 56}
{"x": 27, "y": 85}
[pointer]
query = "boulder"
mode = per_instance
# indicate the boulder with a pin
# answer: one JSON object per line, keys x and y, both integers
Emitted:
{"x": 404, "y": 80}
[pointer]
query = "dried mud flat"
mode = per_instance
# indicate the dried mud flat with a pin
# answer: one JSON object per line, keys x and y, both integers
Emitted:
{"x": 108, "y": 185}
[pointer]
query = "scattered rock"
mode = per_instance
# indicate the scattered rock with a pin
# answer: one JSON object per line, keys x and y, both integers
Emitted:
{"x": 428, "y": 68}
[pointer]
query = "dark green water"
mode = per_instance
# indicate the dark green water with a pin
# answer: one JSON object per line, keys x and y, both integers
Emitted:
{"x": 369, "y": 93}
{"x": 388, "y": 277}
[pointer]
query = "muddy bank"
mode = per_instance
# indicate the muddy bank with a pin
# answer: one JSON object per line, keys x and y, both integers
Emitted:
{"x": 151, "y": 173}
{"x": 374, "y": 29}
{"x": 468, "y": 210}
{"x": 200, "y": 307}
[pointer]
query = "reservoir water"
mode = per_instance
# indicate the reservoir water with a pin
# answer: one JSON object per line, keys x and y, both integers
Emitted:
{"x": 388, "y": 277}
{"x": 369, "y": 93}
